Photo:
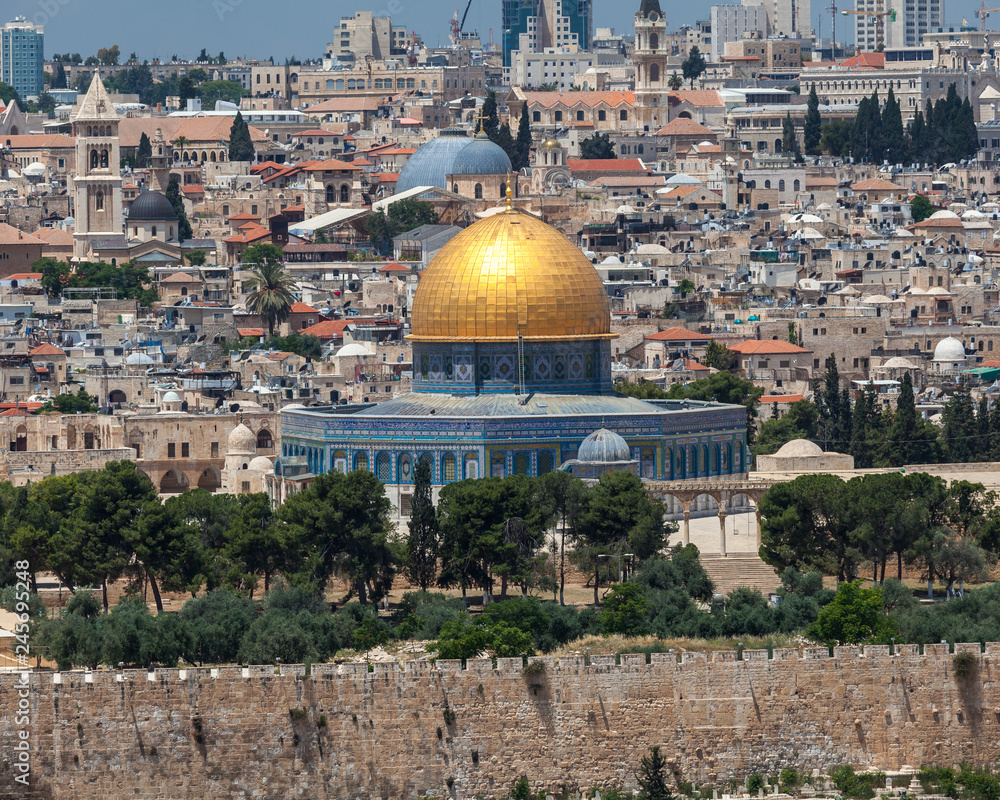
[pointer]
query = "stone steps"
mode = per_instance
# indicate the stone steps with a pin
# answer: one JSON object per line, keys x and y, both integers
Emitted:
{"x": 740, "y": 569}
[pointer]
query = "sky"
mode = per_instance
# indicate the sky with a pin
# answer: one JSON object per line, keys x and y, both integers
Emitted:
{"x": 265, "y": 28}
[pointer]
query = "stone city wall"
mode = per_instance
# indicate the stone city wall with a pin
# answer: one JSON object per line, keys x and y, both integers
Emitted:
{"x": 399, "y": 732}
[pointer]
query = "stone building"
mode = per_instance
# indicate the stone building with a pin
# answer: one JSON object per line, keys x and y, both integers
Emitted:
{"x": 801, "y": 455}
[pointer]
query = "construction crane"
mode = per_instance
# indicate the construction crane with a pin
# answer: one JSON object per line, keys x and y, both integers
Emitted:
{"x": 983, "y": 12}
{"x": 877, "y": 18}
{"x": 832, "y": 8}
{"x": 456, "y": 26}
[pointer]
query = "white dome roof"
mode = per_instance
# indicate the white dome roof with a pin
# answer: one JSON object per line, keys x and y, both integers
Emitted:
{"x": 944, "y": 215}
{"x": 241, "y": 441}
{"x": 138, "y": 358}
{"x": 950, "y": 349}
{"x": 898, "y": 362}
{"x": 262, "y": 463}
{"x": 939, "y": 291}
{"x": 171, "y": 397}
{"x": 34, "y": 169}
{"x": 683, "y": 179}
{"x": 877, "y": 298}
{"x": 799, "y": 448}
{"x": 352, "y": 349}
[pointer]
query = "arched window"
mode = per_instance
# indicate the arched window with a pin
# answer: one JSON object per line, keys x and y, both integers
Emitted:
{"x": 498, "y": 465}
{"x": 479, "y": 191}
{"x": 767, "y": 184}
{"x": 264, "y": 439}
{"x": 153, "y": 230}
{"x": 647, "y": 463}
{"x": 94, "y": 159}
{"x": 781, "y": 185}
{"x": 522, "y": 464}
{"x": 654, "y": 73}
{"x": 405, "y": 468}
{"x": 546, "y": 462}
{"x": 471, "y": 466}
{"x": 99, "y": 201}
{"x": 345, "y": 193}
{"x": 796, "y": 185}
{"x": 104, "y": 159}
{"x": 360, "y": 461}
{"x": 211, "y": 156}
{"x": 383, "y": 467}
{"x": 448, "y": 467}
{"x": 654, "y": 42}
{"x": 331, "y": 194}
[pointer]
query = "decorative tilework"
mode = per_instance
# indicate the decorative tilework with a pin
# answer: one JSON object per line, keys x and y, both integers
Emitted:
{"x": 463, "y": 369}
{"x": 542, "y": 368}
{"x": 437, "y": 367}
{"x": 575, "y": 367}
{"x": 504, "y": 367}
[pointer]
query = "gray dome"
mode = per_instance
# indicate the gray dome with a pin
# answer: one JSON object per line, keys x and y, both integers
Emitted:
{"x": 432, "y": 161}
{"x": 604, "y": 447}
{"x": 151, "y": 205}
{"x": 481, "y": 157}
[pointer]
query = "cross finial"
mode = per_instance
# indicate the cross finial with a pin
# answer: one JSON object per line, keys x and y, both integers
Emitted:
{"x": 480, "y": 127}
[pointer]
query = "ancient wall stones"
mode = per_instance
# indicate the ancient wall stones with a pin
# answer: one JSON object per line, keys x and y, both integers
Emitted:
{"x": 405, "y": 730}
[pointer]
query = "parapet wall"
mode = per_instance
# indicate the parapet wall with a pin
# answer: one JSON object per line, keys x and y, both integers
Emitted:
{"x": 405, "y": 730}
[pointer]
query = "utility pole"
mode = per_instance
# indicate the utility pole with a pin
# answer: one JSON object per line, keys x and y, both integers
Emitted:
{"x": 832, "y": 8}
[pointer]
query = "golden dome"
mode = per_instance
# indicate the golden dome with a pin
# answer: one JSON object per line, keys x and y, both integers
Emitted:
{"x": 508, "y": 274}
{"x": 550, "y": 144}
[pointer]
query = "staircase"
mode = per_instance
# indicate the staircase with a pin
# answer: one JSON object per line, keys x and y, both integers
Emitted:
{"x": 743, "y": 569}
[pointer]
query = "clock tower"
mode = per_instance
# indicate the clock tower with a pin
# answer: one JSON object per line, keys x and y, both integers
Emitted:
{"x": 650, "y": 59}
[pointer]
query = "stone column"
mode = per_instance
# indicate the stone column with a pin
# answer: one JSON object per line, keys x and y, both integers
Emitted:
{"x": 722, "y": 530}
{"x": 687, "y": 522}
{"x": 756, "y": 512}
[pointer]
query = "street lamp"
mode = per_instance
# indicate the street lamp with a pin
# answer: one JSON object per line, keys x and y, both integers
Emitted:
{"x": 620, "y": 556}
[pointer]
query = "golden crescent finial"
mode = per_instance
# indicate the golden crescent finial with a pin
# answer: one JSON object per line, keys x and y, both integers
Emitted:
{"x": 510, "y": 192}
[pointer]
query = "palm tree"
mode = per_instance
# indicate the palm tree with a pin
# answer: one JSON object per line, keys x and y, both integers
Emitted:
{"x": 270, "y": 293}
{"x": 179, "y": 143}
{"x": 675, "y": 82}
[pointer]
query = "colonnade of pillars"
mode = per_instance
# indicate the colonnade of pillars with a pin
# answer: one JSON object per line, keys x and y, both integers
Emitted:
{"x": 723, "y": 550}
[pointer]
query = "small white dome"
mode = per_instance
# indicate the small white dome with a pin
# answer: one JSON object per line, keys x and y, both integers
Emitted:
{"x": 34, "y": 169}
{"x": 944, "y": 215}
{"x": 949, "y": 349}
{"x": 898, "y": 362}
{"x": 352, "y": 349}
{"x": 799, "y": 448}
{"x": 171, "y": 397}
{"x": 262, "y": 464}
{"x": 241, "y": 441}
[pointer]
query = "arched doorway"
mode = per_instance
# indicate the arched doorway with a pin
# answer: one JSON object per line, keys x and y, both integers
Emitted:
{"x": 210, "y": 480}
{"x": 174, "y": 482}
{"x": 117, "y": 396}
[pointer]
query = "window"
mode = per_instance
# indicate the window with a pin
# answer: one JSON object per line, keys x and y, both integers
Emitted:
{"x": 171, "y": 450}
{"x": 536, "y": 116}
{"x": 479, "y": 191}
{"x": 557, "y": 116}
{"x": 185, "y": 449}
{"x": 215, "y": 449}
{"x": 602, "y": 116}
{"x": 623, "y": 115}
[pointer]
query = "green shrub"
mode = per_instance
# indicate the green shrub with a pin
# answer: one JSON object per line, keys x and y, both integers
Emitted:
{"x": 964, "y": 664}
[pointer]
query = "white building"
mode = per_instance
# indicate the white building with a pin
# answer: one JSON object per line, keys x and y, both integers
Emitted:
{"x": 557, "y": 66}
{"x": 730, "y": 23}
{"x": 913, "y": 19}
{"x": 788, "y": 17}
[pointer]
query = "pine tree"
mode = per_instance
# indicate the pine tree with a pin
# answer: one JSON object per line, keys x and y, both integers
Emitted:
{"x": 422, "y": 542}
{"x": 173, "y": 194}
{"x": 145, "y": 152}
{"x": 814, "y": 125}
{"x": 523, "y": 140}
{"x": 893, "y": 141}
{"x": 240, "y": 144}
{"x": 652, "y": 777}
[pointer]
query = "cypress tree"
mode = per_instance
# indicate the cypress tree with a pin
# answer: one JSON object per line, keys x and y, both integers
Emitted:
{"x": 523, "y": 140}
{"x": 904, "y": 425}
{"x": 892, "y": 131}
{"x": 918, "y": 134}
{"x": 959, "y": 425}
{"x": 422, "y": 542}
{"x": 788, "y": 142}
{"x": 173, "y": 194}
{"x": 145, "y": 152}
{"x": 240, "y": 144}
{"x": 814, "y": 124}
{"x": 490, "y": 120}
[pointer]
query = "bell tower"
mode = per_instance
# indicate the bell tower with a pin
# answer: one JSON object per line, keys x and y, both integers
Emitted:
{"x": 97, "y": 185}
{"x": 650, "y": 59}
{"x": 160, "y": 162}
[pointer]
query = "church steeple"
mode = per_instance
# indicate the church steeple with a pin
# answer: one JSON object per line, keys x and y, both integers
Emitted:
{"x": 649, "y": 6}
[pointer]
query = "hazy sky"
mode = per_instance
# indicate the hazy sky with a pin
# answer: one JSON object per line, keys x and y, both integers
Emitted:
{"x": 279, "y": 28}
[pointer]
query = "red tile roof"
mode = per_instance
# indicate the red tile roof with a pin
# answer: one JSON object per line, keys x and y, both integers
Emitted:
{"x": 766, "y": 347}
{"x": 569, "y": 99}
{"x": 678, "y": 335}
{"x": 25, "y": 276}
{"x": 302, "y": 308}
{"x": 682, "y": 126}
{"x": 247, "y": 332}
{"x": 605, "y": 165}
{"x": 866, "y": 60}
{"x": 327, "y": 329}
{"x": 46, "y": 350}
{"x": 781, "y": 398}
{"x": 394, "y": 267}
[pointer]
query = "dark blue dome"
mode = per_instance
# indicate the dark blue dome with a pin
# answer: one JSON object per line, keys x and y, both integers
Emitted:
{"x": 152, "y": 206}
{"x": 481, "y": 157}
{"x": 432, "y": 161}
